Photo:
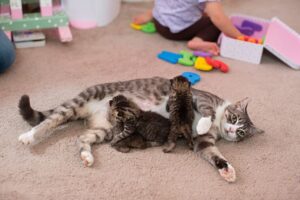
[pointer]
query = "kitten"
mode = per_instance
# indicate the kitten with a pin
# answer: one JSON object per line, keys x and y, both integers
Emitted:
{"x": 180, "y": 106}
{"x": 215, "y": 117}
{"x": 146, "y": 128}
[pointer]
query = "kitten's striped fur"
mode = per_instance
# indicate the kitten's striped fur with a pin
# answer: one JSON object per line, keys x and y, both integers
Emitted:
{"x": 149, "y": 94}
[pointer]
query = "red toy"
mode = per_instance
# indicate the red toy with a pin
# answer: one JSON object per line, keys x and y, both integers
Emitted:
{"x": 250, "y": 39}
{"x": 217, "y": 64}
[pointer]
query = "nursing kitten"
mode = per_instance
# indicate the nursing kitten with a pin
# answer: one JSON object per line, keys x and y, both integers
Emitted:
{"x": 146, "y": 128}
{"x": 215, "y": 117}
{"x": 180, "y": 106}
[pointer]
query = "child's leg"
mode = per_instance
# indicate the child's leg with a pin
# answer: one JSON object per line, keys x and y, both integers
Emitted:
{"x": 202, "y": 35}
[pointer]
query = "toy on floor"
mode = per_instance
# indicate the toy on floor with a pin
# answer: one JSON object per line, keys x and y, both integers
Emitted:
{"x": 169, "y": 57}
{"x": 15, "y": 20}
{"x": 201, "y": 64}
{"x": 202, "y": 54}
{"x": 193, "y": 78}
{"x": 146, "y": 28}
{"x": 188, "y": 59}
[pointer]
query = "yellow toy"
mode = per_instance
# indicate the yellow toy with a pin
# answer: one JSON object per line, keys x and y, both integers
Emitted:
{"x": 136, "y": 26}
{"x": 202, "y": 65}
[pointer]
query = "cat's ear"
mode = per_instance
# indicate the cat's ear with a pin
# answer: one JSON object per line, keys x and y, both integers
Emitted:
{"x": 110, "y": 102}
{"x": 171, "y": 81}
{"x": 254, "y": 130}
{"x": 243, "y": 103}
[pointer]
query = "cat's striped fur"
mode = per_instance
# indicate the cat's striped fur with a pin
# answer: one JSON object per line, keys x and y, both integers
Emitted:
{"x": 149, "y": 94}
{"x": 180, "y": 106}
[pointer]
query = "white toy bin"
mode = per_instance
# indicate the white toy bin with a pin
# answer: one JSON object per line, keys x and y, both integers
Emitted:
{"x": 85, "y": 14}
{"x": 241, "y": 50}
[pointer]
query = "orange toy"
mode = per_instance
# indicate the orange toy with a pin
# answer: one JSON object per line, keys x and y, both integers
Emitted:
{"x": 250, "y": 39}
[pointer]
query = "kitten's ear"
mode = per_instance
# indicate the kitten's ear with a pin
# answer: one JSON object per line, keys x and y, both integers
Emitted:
{"x": 110, "y": 102}
{"x": 171, "y": 81}
{"x": 254, "y": 130}
{"x": 243, "y": 103}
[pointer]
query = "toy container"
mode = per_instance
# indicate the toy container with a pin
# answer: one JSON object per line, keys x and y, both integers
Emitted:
{"x": 91, "y": 13}
{"x": 280, "y": 40}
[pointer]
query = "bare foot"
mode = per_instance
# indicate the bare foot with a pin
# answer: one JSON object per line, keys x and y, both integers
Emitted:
{"x": 199, "y": 44}
{"x": 143, "y": 18}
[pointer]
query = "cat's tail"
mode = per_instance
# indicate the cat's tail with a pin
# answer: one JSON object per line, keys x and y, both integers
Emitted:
{"x": 31, "y": 116}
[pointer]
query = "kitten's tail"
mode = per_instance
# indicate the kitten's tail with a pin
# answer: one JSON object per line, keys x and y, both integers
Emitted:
{"x": 31, "y": 116}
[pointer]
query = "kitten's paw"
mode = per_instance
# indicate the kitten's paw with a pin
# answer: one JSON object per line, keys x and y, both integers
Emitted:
{"x": 87, "y": 158}
{"x": 203, "y": 125}
{"x": 228, "y": 173}
{"x": 27, "y": 138}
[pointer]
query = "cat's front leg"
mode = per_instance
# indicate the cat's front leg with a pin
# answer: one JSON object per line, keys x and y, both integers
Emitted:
{"x": 205, "y": 144}
{"x": 205, "y": 122}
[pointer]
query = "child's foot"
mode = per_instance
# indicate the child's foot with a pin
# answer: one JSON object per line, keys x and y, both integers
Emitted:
{"x": 143, "y": 18}
{"x": 199, "y": 44}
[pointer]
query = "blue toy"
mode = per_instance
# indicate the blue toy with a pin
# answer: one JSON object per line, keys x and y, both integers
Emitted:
{"x": 246, "y": 30}
{"x": 169, "y": 57}
{"x": 193, "y": 78}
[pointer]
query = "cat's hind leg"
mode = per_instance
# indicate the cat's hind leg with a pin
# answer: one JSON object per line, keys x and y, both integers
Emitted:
{"x": 90, "y": 137}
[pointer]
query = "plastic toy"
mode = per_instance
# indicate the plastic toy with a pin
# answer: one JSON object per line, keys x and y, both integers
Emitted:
{"x": 148, "y": 27}
{"x": 202, "y": 54}
{"x": 188, "y": 59}
{"x": 217, "y": 64}
{"x": 201, "y": 64}
{"x": 169, "y": 57}
{"x": 250, "y": 24}
{"x": 245, "y": 30}
{"x": 193, "y": 78}
{"x": 136, "y": 26}
{"x": 250, "y": 39}
{"x": 49, "y": 17}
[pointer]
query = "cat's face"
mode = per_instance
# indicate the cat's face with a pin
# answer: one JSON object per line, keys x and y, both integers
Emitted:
{"x": 117, "y": 105}
{"x": 236, "y": 122}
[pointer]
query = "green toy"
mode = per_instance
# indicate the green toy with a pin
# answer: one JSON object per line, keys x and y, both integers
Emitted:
{"x": 148, "y": 27}
{"x": 188, "y": 59}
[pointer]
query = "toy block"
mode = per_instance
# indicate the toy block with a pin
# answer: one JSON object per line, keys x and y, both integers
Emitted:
{"x": 188, "y": 59}
{"x": 193, "y": 78}
{"x": 16, "y": 9}
{"x": 65, "y": 34}
{"x": 202, "y": 54}
{"x": 217, "y": 64}
{"x": 136, "y": 26}
{"x": 169, "y": 57}
{"x": 46, "y": 7}
{"x": 250, "y": 24}
{"x": 148, "y": 27}
{"x": 201, "y": 64}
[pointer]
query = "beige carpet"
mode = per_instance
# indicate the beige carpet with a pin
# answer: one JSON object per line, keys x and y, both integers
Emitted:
{"x": 267, "y": 165}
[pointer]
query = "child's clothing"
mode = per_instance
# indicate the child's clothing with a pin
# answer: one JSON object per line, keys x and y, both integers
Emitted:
{"x": 183, "y": 20}
{"x": 7, "y": 52}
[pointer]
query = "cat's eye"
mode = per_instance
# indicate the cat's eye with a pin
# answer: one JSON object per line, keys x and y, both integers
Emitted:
{"x": 240, "y": 132}
{"x": 233, "y": 119}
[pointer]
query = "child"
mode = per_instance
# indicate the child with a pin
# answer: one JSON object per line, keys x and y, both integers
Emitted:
{"x": 198, "y": 21}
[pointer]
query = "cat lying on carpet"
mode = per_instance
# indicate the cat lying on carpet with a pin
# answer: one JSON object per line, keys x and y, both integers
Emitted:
{"x": 215, "y": 118}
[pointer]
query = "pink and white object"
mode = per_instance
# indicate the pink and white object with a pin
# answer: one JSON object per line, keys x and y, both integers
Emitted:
{"x": 91, "y": 13}
{"x": 280, "y": 40}
{"x": 46, "y": 7}
{"x": 16, "y": 9}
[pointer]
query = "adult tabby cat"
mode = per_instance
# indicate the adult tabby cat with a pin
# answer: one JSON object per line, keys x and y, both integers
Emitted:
{"x": 180, "y": 106}
{"x": 135, "y": 128}
{"x": 214, "y": 117}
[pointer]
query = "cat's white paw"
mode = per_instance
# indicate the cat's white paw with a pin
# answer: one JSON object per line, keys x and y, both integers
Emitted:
{"x": 203, "y": 125}
{"x": 87, "y": 158}
{"x": 228, "y": 173}
{"x": 27, "y": 138}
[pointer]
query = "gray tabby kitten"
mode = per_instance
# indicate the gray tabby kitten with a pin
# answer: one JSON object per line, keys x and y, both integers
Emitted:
{"x": 135, "y": 128}
{"x": 214, "y": 117}
{"x": 180, "y": 106}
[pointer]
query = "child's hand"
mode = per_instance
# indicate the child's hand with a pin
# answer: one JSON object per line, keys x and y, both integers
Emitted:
{"x": 143, "y": 18}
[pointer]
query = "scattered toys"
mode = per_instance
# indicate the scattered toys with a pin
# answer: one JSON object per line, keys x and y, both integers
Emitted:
{"x": 169, "y": 57}
{"x": 201, "y": 64}
{"x": 146, "y": 28}
{"x": 193, "y": 78}
{"x": 202, "y": 54}
{"x": 188, "y": 59}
